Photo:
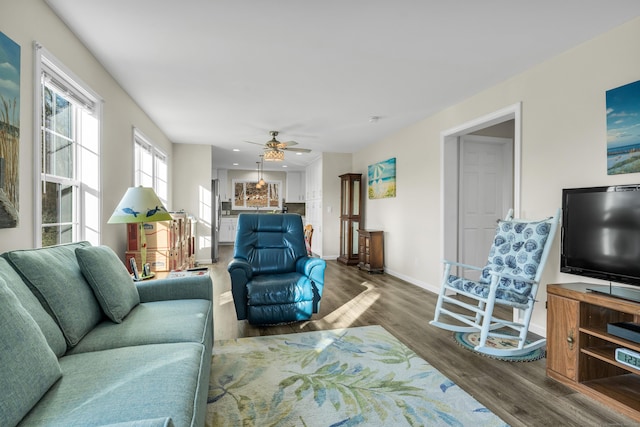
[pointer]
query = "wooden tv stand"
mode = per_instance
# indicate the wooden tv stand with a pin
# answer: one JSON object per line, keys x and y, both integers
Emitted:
{"x": 580, "y": 352}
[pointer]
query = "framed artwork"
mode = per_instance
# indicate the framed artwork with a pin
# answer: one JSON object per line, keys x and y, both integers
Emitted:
{"x": 247, "y": 195}
{"x": 9, "y": 131}
{"x": 623, "y": 121}
{"x": 382, "y": 179}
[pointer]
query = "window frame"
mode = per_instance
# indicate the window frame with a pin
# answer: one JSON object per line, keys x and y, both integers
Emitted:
{"x": 142, "y": 142}
{"x": 85, "y": 101}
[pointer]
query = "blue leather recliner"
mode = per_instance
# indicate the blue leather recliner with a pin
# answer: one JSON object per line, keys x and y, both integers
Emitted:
{"x": 272, "y": 278}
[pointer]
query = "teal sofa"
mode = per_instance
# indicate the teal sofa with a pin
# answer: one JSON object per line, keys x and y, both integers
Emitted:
{"x": 81, "y": 344}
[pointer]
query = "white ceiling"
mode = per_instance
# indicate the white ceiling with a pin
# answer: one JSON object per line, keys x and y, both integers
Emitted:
{"x": 223, "y": 72}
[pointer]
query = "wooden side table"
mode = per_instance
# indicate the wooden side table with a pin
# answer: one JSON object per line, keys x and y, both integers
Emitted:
{"x": 371, "y": 250}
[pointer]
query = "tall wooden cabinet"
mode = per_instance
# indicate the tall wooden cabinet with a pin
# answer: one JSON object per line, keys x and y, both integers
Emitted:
{"x": 350, "y": 216}
{"x": 580, "y": 351}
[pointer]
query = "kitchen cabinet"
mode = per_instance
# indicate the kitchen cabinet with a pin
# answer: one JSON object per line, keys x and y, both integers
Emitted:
{"x": 314, "y": 203}
{"x": 228, "y": 228}
{"x": 313, "y": 180}
{"x": 296, "y": 187}
{"x": 223, "y": 187}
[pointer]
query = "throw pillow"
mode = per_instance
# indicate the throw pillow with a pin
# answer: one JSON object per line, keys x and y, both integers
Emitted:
{"x": 517, "y": 250}
{"x": 29, "y": 301}
{"x": 54, "y": 276}
{"x": 28, "y": 367}
{"x": 110, "y": 280}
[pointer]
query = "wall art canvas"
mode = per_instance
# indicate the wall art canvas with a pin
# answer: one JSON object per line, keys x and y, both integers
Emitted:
{"x": 382, "y": 179}
{"x": 623, "y": 129}
{"x": 9, "y": 130}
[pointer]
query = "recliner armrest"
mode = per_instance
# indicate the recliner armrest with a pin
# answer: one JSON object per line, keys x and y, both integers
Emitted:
{"x": 241, "y": 272}
{"x": 312, "y": 268}
{"x": 190, "y": 287}
{"x": 240, "y": 266}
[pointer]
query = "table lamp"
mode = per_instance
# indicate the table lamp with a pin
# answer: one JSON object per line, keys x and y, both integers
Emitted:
{"x": 140, "y": 205}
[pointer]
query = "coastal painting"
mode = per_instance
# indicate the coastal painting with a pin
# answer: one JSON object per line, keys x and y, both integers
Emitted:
{"x": 382, "y": 179}
{"x": 623, "y": 129}
{"x": 9, "y": 130}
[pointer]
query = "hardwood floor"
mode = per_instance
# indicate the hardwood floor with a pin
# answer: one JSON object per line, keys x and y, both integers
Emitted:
{"x": 519, "y": 393}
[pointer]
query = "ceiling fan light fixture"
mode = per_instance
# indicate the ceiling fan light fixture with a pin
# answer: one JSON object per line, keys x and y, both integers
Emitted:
{"x": 274, "y": 156}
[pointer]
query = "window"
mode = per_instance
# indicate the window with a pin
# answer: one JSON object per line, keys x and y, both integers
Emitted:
{"x": 248, "y": 195}
{"x": 150, "y": 166}
{"x": 68, "y": 152}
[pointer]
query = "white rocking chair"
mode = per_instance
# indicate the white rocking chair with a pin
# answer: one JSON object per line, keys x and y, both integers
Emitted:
{"x": 511, "y": 277}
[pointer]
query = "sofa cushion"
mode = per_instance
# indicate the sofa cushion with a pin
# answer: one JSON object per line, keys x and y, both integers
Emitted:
{"x": 53, "y": 274}
{"x": 517, "y": 250}
{"x": 110, "y": 280}
{"x": 47, "y": 325}
{"x": 282, "y": 288}
{"x": 126, "y": 384}
{"x": 153, "y": 323}
{"x": 28, "y": 367}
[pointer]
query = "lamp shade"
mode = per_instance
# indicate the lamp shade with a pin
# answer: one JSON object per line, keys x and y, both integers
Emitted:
{"x": 139, "y": 204}
{"x": 274, "y": 156}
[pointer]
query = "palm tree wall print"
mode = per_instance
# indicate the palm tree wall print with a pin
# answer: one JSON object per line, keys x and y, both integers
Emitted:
{"x": 382, "y": 179}
{"x": 9, "y": 130}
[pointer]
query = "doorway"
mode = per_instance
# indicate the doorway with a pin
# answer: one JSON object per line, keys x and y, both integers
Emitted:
{"x": 485, "y": 192}
{"x": 466, "y": 221}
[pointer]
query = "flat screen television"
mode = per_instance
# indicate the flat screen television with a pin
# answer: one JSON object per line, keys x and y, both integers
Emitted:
{"x": 601, "y": 236}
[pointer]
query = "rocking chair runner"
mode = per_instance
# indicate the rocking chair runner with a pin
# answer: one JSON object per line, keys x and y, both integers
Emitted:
{"x": 511, "y": 277}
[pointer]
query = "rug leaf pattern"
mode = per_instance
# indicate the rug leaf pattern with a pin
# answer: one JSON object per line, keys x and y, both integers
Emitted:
{"x": 342, "y": 377}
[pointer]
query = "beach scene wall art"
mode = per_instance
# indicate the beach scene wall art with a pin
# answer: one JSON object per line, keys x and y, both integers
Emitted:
{"x": 623, "y": 129}
{"x": 382, "y": 179}
{"x": 9, "y": 130}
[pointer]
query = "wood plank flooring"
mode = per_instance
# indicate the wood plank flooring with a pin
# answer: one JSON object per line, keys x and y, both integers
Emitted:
{"x": 519, "y": 393}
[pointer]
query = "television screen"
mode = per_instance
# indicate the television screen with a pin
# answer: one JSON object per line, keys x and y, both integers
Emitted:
{"x": 601, "y": 233}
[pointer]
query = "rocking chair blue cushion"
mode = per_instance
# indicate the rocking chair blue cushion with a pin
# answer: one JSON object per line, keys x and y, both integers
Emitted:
{"x": 273, "y": 280}
{"x": 516, "y": 251}
{"x": 510, "y": 277}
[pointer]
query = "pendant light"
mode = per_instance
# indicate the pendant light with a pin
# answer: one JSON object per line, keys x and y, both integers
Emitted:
{"x": 261, "y": 182}
{"x": 258, "y": 185}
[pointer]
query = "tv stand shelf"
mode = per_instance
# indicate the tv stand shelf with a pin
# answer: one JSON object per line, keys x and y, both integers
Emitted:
{"x": 580, "y": 352}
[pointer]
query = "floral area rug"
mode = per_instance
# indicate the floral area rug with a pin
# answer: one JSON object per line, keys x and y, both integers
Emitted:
{"x": 342, "y": 377}
{"x": 469, "y": 340}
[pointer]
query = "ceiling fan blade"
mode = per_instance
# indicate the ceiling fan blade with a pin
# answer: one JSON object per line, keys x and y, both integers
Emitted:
{"x": 288, "y": 143}
{"x": 299, "y": 150}
{"x": 256, "y": 143}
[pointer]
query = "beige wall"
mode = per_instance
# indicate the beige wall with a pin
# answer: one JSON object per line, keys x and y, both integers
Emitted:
{"x": 333, "y": 165}
{"x": 563, "y": 145}
{"x": 191, "y": 185}
{"x": 29, "y": 21}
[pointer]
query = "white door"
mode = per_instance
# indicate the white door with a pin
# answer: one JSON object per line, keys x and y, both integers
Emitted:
{"x": 486, "y": 193}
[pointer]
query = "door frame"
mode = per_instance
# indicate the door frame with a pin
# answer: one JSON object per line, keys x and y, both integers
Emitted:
{"x": 450, "y": 171}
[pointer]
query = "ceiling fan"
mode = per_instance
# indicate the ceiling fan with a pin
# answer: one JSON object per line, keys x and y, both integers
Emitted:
{"x": 274, "y": 149}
